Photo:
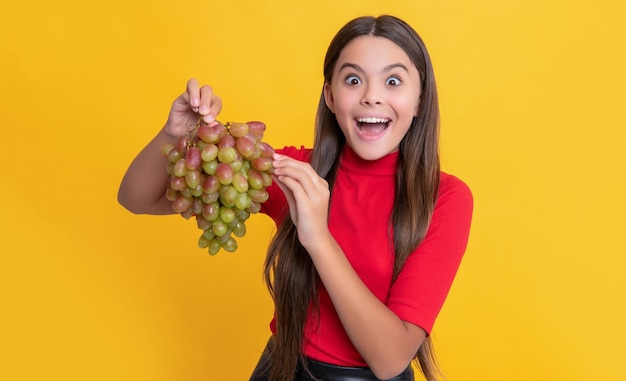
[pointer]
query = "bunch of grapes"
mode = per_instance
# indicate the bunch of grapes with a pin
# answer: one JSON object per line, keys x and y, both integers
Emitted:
{"x": 219, "y": 175}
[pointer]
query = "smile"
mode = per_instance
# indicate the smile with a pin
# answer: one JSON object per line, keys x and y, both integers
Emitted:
{"x": 371, "y": 128}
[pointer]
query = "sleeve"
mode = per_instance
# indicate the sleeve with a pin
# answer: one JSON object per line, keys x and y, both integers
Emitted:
{"x": 422, "y": 286}
{"x": 276, "y": 206}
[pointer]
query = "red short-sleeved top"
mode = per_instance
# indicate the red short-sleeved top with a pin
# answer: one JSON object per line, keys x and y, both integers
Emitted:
{"x": 361, "y": 204}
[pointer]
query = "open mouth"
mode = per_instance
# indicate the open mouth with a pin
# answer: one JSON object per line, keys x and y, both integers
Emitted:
{"x": 372, "y": 127}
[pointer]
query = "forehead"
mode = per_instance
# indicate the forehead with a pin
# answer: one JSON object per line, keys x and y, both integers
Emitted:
{"x": 373, "y": 52}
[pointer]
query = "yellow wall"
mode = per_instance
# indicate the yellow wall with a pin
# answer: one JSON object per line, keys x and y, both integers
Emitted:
{"x": 532, "y": 96}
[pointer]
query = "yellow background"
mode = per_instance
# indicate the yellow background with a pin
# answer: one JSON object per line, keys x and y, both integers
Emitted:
{"x": 532, "y": 97}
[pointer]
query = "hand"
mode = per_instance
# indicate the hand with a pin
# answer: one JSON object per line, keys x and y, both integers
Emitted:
{"x": 196, "y": 101}
{"x": 308, "y": 196}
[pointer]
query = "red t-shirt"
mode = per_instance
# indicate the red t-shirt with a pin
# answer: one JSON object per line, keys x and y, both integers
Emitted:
{"x": 361, "y": 204}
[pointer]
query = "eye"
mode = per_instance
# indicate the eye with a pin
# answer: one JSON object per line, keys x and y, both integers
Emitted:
{"x": 353, "y": 80}
{"x": 393, "y": 81}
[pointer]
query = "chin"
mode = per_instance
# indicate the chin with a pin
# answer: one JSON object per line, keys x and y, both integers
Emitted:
{"x": 367, "y": 153}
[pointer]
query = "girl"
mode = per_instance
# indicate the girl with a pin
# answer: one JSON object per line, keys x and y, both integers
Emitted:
{"x": 370, "y": 231}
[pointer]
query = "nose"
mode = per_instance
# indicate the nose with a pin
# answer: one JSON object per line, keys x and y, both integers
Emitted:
{"x": 371, "y": 96}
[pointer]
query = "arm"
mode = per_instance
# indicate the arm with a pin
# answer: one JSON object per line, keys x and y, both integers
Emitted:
{"x": 142, "y": 190}
{"x": 386, "y": 342}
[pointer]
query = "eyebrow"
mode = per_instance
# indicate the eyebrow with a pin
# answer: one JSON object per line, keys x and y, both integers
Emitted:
{"x": 386, "y": 69}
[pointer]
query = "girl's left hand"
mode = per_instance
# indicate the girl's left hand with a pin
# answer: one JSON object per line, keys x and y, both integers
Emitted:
{"x": 308, "y": 196}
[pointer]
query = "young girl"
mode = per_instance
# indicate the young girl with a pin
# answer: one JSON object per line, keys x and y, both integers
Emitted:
{"x": 370, "y": 231}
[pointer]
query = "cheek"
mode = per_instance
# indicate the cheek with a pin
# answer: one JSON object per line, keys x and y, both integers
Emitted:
{"x": 343, "y": 103}
{"x": 408, "y": 106}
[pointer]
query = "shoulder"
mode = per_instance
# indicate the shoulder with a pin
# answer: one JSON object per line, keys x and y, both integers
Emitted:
{"x": 450, "y": 185}
{"x": 454, "y": 197}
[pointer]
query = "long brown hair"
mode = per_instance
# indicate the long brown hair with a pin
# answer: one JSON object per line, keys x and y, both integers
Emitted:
{"x": 289, "y": 272}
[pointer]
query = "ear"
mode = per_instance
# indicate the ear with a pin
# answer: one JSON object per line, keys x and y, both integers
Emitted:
{"x": 328, "y": 97}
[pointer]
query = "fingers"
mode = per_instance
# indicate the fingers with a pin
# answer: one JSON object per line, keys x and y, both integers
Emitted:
{"x": 300, "y": 177}
{"x": 202, "y": 100}
{"x": 210, "y": 104}
{"x": 193, "y": 94}
{"x": 290, "y": 199}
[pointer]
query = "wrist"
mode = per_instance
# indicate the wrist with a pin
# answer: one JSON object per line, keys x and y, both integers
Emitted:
{"x": 166, "y": 137}
{"x": 323, "y": 245}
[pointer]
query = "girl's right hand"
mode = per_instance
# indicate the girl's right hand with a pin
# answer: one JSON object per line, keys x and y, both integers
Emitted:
{"x": 194, "y": 102}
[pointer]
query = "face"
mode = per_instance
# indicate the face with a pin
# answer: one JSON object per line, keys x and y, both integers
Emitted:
{"x": 374, "y": 95}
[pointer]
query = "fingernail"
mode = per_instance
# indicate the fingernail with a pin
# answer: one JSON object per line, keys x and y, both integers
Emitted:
{"x": 195, "y": 102}
{"x": 209, "y": 118}
{"x": 204, "y": 109}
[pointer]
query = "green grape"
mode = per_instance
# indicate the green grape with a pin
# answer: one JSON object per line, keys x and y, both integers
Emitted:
{"x": 236, "y": 165}
{"x": 209, "y": 153}
{"x": 209, "y": 167}
{"x": 245, "y": 166}
{"x": 173, "y": 155}
{"x": 214, "y": 246}
{"x": 242, "y": 201}
{"x": 255, "y": 179}
{"x": 208, "y": 234}
{"x": 226, "y": 154}
{"x": 230, "y": 245}
{"x": 197, "y": 191}
{"x": 227, "y": 214}
{"x": 203, "y": 242}
{"x": 180, "y": 168}
{"x": 201, "y": 144}
{"x": 211, "y": 211}
{"x": 193, "y": 179}
{"x": 219, "y": 228}
{"x": 258, "y": 195}
{"x": 239, "y": 229}
{"x": 239, "y": 182}
{"x": 228, "y": 195}
{"x": 186, "y": 192}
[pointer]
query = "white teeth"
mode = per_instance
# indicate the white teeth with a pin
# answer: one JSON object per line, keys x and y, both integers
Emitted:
{"x": 372, "y": 120}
